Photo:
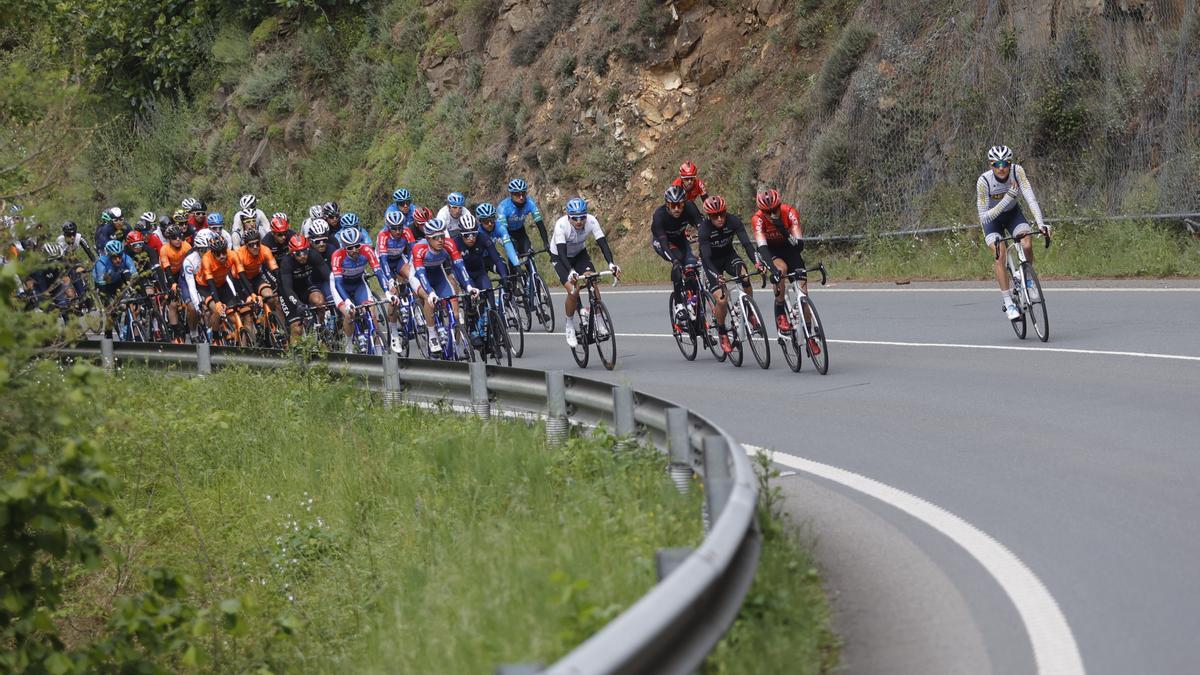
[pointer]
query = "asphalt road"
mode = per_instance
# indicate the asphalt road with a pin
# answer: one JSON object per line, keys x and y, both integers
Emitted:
{"x": 1083, "y": 463}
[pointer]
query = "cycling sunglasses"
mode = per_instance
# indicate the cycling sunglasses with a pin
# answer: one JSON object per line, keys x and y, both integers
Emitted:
{"x": 353, "y": 249}
{"x": 404, "y": 203}
{"x": 674, "y": 205}
{"x": 1001, "y": 165}
{"x": 518, "y": 194}
{"x": 577, "y": 219}
{"x": 320, "y": 241}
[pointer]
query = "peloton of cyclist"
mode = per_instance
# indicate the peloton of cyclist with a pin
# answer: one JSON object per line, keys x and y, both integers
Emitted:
{"x": 997, "y": 196}
{"x": 571, "y": 232}
{"x": 717, "y": 232}
{"x": 668, "y": 232}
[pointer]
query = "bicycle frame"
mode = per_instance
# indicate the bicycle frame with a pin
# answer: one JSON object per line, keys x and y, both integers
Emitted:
{"x": 796, "y": 296}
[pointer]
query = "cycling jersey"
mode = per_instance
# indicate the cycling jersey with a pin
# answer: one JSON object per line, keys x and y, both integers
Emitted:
{"x": 172, "y": 258}
{"x": 481, "y": 258}
{"x": 107, "y": 232}
{"x": 297, "y": 282}
{"x": 428, "y": 264}
{"x": 349, "y": 274}
{"x": 717, "y": 242}
{"x": 191, "y": 267}
{"x": 697, "y": 190}
{"x": 568, "y": 243}
{"x": 214, "y": 273}
{"x": 278, "y": 246}
{"x": 669, "y": 229}
{"x": 773, "y": 231}
{"x": 74, "y": 244}
{"x": 992, "y": 198}
{"x": 109, "y": 275}
{"x": 512, "y": 217}
{"x": 248, "y": 265}
{"x": 452, "y": 223}
{"x": 407, "y": 215}
{"x": 390, "y": 245}
{"x": 499, "y": 235}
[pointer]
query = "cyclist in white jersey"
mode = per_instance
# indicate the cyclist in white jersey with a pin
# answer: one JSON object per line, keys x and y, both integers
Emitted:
{"x": 997, "y": 196}
{"x": 455, "y": 213}
{"x": 569, "y": 244}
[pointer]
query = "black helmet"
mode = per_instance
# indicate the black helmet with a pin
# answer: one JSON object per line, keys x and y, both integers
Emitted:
{"x": 675, "y": 195}
{"x": 164, "y": 221}
{"x": 218, "y": 245}
{"x": 330, "y": 209}
{"x": 69, "y": 228}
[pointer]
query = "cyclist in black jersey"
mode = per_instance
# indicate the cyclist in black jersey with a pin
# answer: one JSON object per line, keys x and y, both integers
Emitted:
{"x": 717, "y": 232}
{"x": 303, "y": 278}
{"x": 668, "y": 230}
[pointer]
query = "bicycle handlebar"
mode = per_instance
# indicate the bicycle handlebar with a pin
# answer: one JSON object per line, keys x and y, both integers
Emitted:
{"x": 1019, "y": 237}
{"x": 797, "y": 274}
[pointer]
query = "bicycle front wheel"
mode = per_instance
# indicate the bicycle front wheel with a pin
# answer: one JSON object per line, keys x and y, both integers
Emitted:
{"x": 605, "y": 336}
{"x": 498, "y": 344}
{"x": 708, "y": 323}
{"x": 790, "y": 343}
{"x": 516, "y": 332}
{"x": 580, "y": 351}
{"x": 756, "y": 332}
{"x": 1037, "y": 308}
{"x": 460, "y": 345}
{"x": 683, "y": 335}
{"x": 815, "y": 345}
{"x": 543, "y": 305}
{"x": 1018, "y": 293}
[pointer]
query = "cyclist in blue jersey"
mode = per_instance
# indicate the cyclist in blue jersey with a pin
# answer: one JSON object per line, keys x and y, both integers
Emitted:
{"x": 498, "y": 234}
{"x": 402, "y": 203}
{"x": 351, "y": 220}
{"x": 479, "y": 257}
{"x": 111, "y": 272}
{"x": 512, "y": 213}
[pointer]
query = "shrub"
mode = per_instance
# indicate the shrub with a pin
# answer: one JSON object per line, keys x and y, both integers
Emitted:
{"x": 558, "y": 15}
{"x": 841, "y": 63}
{"x": 606, "y": 165}
{"x": 265, "y": 81}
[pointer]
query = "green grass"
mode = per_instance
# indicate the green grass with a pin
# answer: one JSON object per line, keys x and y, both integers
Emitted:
{"x": 399, "y": 540}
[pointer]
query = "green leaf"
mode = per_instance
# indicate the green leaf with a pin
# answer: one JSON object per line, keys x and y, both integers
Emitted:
{"x": 58, "y": 664}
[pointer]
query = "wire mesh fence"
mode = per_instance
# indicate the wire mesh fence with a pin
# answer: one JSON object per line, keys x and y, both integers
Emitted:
{"x": 1099, "y": 99}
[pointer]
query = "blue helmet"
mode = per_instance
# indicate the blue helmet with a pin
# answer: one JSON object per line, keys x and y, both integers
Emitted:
{"x": 456, "y": 199}
{"x": 215, "y": 219}
{"x": 349, "y": 220}
{"x": 349, "y": 236}
{"x": 393, "y": 219}
{"x": 435, "y": 228}
{"x": 485, "y": 210}
{"x": 114, "y": 247}
{"x": 577, "y": 206}
{"x": 518, "y": 185}
{"x": 401, "y": 195}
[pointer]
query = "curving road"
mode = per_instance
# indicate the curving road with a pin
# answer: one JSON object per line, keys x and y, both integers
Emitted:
{"x": 1081, "y": 457}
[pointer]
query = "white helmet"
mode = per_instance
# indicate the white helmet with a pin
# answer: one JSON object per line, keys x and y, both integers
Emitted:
{"x": 319, "y": 228}
{"x": 148, "y": 217}
{"x": 203, "y": 239}
{"x": 245, "y": 214}
{"x": 247, "y": 202}
{"x": 467, "y": 220}
{"x": 315, "y": 211}
{"x": 1000, "y": 153}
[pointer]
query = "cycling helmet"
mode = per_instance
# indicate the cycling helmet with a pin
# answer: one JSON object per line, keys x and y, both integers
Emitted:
{"x": 251, "y": 235}
{"x": 247, "y": 202}
{"x": 349, "y": 236}
{"x": 349, "y": 219}
{"x": 688, "y": 170}
{"x": 577, "y": 206}
{"x": 518, "y": 185}
{"x": 435, "y": 228}
{"x": 455, "y": 199}
{"x": 714, "y": 205}
{"x": 1000, "y": 153}
{"x": 135, "y": 237}
{"x": 315, "y": 211}
{"x": 279, "y": 224}
{"x": 393, "y": 219}
{"x": 468, "y": 227}
{"x": 768, "y": 200}
{"x": 279, "y": 214}
{"x": 215, "y": 219}
{"x": 330, "y": 210}
{"x": 164, "y": 220}
{"x": 401, "y": 195}
{"x": 319, "y": 228}
{"x": 189, "y": 204}
{"x": 675, "y": 195}
{"x": 218, "y": 245}
{"x": 200, "y": 205}
{"x": 172, "y": 231}
{"x": 203, "y": 239}
{"x": 467, "y": 219}
{"x": 298, "y": 243}
{"x": 52, "y": 250}
{"x": 148, "y": 217}
{"x": 422, "y": 215}
{"x": 110, "y": 214}
{"x": 69, "y": 228}
{"x": 114, "y": 247}
{"x": 180, "y": 216}
{"x": 245, "y": 216}
{"x": 486, "y": 211}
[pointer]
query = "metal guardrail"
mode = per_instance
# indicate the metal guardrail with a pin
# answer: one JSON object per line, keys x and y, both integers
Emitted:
{"x": 670, "y": 629}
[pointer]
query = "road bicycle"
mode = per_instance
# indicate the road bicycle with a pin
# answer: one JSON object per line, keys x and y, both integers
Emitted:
{"x": 367, "y": 338}
{"x": 597, "y": 326}
{"x": 327, "y": 328}
{"x": 808, "y": 332}
{"x": 272, "y": 330}
{"x": 510, "y": 311}
{"x": 746, "y": 323}
{"x": 1025, "y": 287}
{"x": 410, "y": 320}
{"x": 534, "y": 298}
{"x": 450, "y": 332}
{"x": 230, "y": 326}
{"x": 699, "y": 326}
{"x": 488, "y": 331}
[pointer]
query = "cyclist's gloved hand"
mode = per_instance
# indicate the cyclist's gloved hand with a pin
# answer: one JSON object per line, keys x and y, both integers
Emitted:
{"x": 1014, "y": 190}
{"x": 615, "y": 269}
{"x": 433, "y": 297}
{"x": 391, "y": 297}
{"x": 1045, "y": 229}
{"x": 572, "y": 277}
{"x": 776, "y": 276}
{"x": 473, "y": 291}
{"x": 346, "y": 306}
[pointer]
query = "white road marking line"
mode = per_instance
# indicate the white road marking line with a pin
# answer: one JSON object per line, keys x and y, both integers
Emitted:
{"x": 950, "y": 345}
{"x": 1054, "y": 646}
{"x": 834, "y": 289}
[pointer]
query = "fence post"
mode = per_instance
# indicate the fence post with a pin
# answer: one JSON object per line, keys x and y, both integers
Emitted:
{"x": 556, "y": 407}
{"x": 678, "y": 443}
{"x": 718, "y": 484}
{"x": 203, "y": 359}
{"x": 479, "y": 391}
{"x": 107, "y": 361}
{"x": 391, "y": 378}
{"x": 624, "y": 425}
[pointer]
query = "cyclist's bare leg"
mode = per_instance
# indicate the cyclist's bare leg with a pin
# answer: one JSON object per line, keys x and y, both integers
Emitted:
{"x": 722, "y": 299}
{"x": 1027, "y": 245}
{"x": 1000, "y": 267}
{"x": 571, "y": 305}
{"x": 807, "y": 313}
{"x": 781, "y": 287}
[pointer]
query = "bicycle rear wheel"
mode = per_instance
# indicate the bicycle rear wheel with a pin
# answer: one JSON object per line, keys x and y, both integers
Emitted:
{"x": 498, "y": 343}
{"x": 512, "y": 322}
{"x": 543, "y": 305}
{"x": 683, "y": 335}
{"x": 580, "y": 351}
{"x": 606, "y": 337}
{"x": 277, "y": 332}
{"x": 1018, "y": 291}
{"x": 1037, "y": 308}
{"x": 708, "y": 322}
{"x": 815, "y": 346}
{"x": 756, "y": 332}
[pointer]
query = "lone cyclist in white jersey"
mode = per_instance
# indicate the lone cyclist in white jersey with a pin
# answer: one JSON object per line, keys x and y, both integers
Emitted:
{"x": 997, "y": 195}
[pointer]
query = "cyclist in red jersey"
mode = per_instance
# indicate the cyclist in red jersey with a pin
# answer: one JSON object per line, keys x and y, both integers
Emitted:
{"x": 780, "y": 239}
{"x": 689, "y": 180}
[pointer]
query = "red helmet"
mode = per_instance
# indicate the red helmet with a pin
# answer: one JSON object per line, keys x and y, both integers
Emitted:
{"x": 134, "y": 237}
{"x": 422, "y": 215}
{"x": 768, "y": 200}
{"x": 298, "y": 243}
{"x": 279, "y": 224}
{"x": 688, "y": 170}
{"x": 714, "y": 205}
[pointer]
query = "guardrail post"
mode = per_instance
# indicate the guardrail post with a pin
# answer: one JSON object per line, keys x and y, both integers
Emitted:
{"x": 667, "y": 559}
{"x": 203, "y": 359}
{"x": 678, "y": 443}
{"x": 479, "y": 391}
{"x": 718, "y": 484}
{"x": 391, "y": 378}
{"x": 107, "y": 361}
{"x": 556, "y": 407}
{"x": 624, "y": 425}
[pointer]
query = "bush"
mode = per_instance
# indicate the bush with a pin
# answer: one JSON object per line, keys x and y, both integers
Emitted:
{"x": 606, "y": 165}
{"x": 265, "y": 82}
{"x": 841, "y": 63}
{"x": 558, "y": 16}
